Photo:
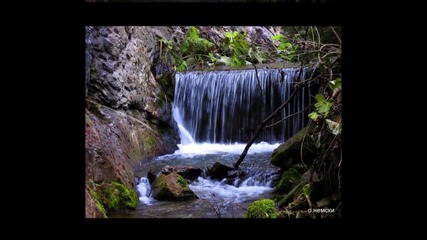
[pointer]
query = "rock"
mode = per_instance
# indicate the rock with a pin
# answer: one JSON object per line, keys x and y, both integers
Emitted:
{"x": 172, "y": 187}
{"x": 219, "y": 171}
{"x": 151, "y": 177}
{"x": 94, "y": 208}
{"x": 289, "y": 153}
{"x": 289, "y": 180}
{"x": 187, "y": 172}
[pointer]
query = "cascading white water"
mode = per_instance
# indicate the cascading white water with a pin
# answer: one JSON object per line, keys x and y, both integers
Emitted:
{"x": 216, "y": 113}
{"x": 144, "y": 190}
{"x": 183, "y": 133}
{"x": 227, "y": 106}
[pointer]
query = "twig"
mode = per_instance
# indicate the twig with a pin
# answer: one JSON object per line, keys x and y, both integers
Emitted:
{"x": 244, "y": 208}
{"x": 217, "y": 210}
{"x": 271, "y": 125}
{"x": 339, "y": 39}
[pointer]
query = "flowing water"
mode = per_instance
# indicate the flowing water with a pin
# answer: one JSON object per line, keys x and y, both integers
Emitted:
{"x": 216, "y": 113}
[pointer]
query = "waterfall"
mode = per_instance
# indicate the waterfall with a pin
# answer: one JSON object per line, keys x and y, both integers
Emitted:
{"x": 227, "y": 106}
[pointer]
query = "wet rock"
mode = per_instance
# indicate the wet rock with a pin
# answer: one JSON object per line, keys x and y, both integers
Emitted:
{"x": 187, "y": 172}
{"x": 172, "y": 187}
{"x": 219, "y": 171}
{"x": 289, "y": 153}
{"x": 151, "y": 176}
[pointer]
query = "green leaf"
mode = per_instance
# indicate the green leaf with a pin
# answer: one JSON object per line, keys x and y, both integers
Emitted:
{"x": 334, "y": 127}
{"x": 320, "y": 98}
{"x": 231, "y": 35}
{"x": 324, "y": 108}
{"x": 182, "y": 67}
{"x": 313, "y": 115}
{"x": 192, "y": 32}
{"x": 278, "y": 37}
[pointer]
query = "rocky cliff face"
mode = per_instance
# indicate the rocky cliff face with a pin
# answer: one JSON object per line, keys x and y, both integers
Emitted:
{"x": 128, "y": 113}
{"x": 129, "y": 91}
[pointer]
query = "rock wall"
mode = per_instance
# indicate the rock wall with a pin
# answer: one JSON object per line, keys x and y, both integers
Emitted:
{"x": 128, "y": 113}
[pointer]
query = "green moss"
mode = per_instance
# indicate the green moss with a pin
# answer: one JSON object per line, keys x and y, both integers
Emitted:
{"x": 263, "y": 208}
{"x": 289, "y": 180}
{"x": 291, "y": 195}
{"x": 98, "y": 204}
{"x": 182, "y": 182}
{"x": 118, "y": 196}
{"x": 152, "y": 140}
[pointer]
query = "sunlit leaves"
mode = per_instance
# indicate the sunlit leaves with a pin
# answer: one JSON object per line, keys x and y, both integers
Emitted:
{"x": 285, "y": 49}
{"x": 322, "y": 105}
{"x": 313, "y": 116}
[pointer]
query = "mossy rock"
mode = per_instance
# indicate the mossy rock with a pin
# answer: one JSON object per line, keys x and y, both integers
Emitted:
{"x": 289, "y": 153}
{"x": 263, "y": 208}
{"x": 289, "y": 179}
{"x": 117, "y": 196}
{"x": 289, "y": 197}
{"x": 172, "y": 187}
{"x": 96, "y": 198}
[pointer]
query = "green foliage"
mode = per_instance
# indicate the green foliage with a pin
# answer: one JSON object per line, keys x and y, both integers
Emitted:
{"x": 285, "y": 49}
{"x": 263, "y": 208}
{"x": 313, "y": 116}
{"x": 236, "y": 46}
{"x": 193, "y": 44}
{"x": 322, "y": 105}
{"x": 289, "y": 179}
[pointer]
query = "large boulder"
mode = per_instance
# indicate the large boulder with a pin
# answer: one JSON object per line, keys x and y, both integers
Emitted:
{"x": 187, "y": 172}
{"x": 219, "y": 171}
{"x": 289, "y": 153}
{"x": 172, "y": 187}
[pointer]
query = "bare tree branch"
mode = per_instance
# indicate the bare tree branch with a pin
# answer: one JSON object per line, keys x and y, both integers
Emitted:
{"x": 271, "y": 125}
{"x": 262, "y": 125}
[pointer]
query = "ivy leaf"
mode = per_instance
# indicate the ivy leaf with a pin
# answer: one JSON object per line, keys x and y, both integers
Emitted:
{"x": 334, "y": 127}
{"x": 320, "y": 98}
{"x": 324, "y": 107}
{"x": 313, "y": 115}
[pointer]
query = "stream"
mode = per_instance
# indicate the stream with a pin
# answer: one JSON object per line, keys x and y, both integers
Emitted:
{"x": 228, "y": 199}
{"x": 216, "y": 112}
